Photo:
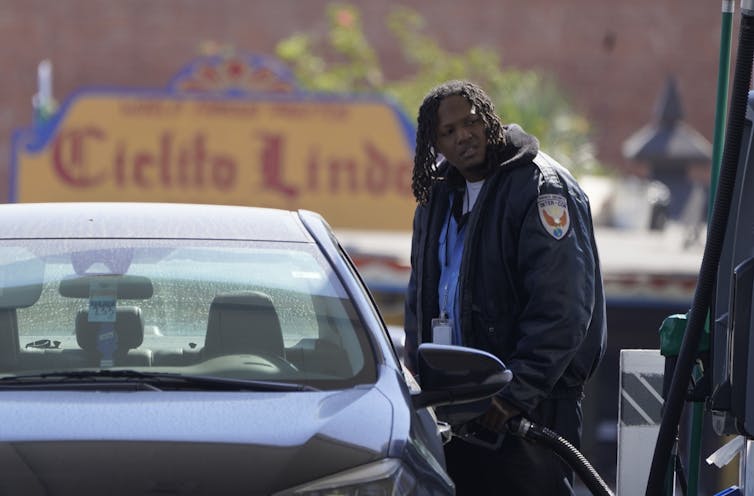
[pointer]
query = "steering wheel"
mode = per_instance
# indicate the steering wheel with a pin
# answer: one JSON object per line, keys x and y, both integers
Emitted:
{"x": 278, "y": 361}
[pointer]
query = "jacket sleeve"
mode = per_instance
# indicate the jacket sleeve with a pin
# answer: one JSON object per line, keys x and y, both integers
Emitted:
{"x": 410, "y": 320}
{"x": 556, "y": 291}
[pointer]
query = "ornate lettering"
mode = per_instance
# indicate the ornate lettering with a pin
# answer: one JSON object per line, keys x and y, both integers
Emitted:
{"x": 272, "y": 166}
{"x": 190, "y": 162}
{"x": 169, "y": 163}
{"x": 69, "y": 157}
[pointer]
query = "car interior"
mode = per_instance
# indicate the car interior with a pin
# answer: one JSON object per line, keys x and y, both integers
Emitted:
{"x": 238, "y": 323}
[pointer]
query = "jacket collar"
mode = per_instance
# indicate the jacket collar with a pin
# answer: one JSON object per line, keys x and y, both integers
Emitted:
{"x": 520, "y": 147}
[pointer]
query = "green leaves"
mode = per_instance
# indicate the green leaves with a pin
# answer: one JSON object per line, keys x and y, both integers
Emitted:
{"x": 343, "y": 60}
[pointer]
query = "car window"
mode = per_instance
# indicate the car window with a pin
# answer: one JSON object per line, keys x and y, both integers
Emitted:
{"x": 248, "y": 310}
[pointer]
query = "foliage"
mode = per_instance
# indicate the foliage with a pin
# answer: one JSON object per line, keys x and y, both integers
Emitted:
{"x": 343, "y": 60}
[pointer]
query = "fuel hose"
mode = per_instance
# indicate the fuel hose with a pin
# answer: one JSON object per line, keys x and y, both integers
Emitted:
{"x": 523, "y": 427}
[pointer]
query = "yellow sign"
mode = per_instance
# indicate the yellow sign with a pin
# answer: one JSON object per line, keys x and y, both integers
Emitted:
{"x": 349, "y": 159}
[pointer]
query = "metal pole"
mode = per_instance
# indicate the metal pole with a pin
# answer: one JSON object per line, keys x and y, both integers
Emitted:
{"x": 697, "y": 416}
{"x": 723, "y": 77}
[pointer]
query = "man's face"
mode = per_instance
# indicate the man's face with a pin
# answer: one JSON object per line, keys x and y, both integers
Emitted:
{"x": 461, "y": 137}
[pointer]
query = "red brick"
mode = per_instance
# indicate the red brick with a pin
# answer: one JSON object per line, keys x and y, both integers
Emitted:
{"x": 612, "y": 57}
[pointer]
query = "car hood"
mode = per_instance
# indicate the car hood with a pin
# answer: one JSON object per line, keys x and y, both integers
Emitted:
{"x": 185, "y": 443}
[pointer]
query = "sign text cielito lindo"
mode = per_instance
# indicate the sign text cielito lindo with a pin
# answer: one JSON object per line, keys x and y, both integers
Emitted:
{"x": 348, "y": 160}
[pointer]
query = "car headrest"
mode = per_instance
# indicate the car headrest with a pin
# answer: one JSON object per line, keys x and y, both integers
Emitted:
{"x": 243, "y": 322}
{"x": 21, "y": 283}
{"x": 129, "y": 329}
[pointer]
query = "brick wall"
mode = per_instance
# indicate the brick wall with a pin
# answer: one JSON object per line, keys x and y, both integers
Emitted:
{"x": 612, "y": 57}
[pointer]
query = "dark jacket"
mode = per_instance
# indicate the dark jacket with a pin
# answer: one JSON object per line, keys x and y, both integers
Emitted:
{"x": 530, "y": 294}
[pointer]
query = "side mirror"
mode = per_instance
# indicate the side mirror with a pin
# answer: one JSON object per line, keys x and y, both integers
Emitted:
{"x": 455, "y": 374}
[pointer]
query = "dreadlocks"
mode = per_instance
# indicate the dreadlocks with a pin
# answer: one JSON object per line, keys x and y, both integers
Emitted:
{"x": 425, "y": 158}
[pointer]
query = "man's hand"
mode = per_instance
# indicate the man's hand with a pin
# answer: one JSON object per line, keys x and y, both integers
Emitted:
{"x": 498, "y": 415}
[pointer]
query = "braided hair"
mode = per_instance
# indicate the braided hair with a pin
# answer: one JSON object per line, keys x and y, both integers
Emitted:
{"x": 425, "y": 158}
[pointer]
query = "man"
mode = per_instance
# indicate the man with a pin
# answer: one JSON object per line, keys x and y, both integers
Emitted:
{"x": 504, "y": 259}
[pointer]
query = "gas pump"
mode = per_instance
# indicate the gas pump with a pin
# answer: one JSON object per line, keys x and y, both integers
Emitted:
{"x": 725, "y": 289}
{"x": 731, "y": 409}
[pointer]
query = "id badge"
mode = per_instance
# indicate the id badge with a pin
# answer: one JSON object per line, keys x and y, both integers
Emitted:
{"x": 442, "y": 331}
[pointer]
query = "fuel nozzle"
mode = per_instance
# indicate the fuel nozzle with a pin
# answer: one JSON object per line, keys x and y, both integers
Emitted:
{"x": 519, "y": 426}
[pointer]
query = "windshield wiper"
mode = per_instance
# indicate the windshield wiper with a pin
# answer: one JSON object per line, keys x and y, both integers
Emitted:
{"x": 155, "y": 380}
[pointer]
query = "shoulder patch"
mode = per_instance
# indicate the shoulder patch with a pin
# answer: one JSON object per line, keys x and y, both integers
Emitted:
{"x": 553, "y": 212}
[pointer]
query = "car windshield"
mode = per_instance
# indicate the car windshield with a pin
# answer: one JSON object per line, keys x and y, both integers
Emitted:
{"x": 255, "y": 311}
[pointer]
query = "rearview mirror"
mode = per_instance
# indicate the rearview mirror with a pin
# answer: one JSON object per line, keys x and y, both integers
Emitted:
{"x": 455, "y": 374}
{"x": 126, "y": 287}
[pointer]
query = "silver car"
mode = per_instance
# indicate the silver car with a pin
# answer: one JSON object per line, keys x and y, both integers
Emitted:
{"x": 196, "y": 349}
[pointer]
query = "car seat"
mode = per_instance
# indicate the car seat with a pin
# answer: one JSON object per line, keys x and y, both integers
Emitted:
{"x": 243, "y": 322}
{"x": 128, "y": 331}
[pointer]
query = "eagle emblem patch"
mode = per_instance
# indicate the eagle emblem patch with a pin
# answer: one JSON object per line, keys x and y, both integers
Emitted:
{"x": 553, "y": 212}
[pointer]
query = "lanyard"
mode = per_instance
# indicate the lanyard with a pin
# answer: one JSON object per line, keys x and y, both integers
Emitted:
{"x": 450, "y": 258}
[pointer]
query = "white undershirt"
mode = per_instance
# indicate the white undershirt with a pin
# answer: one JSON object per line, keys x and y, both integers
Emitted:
{"x": 472, "y": 192}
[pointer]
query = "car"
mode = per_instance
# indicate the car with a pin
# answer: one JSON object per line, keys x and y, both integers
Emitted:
{"x": 154, "y": 348}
